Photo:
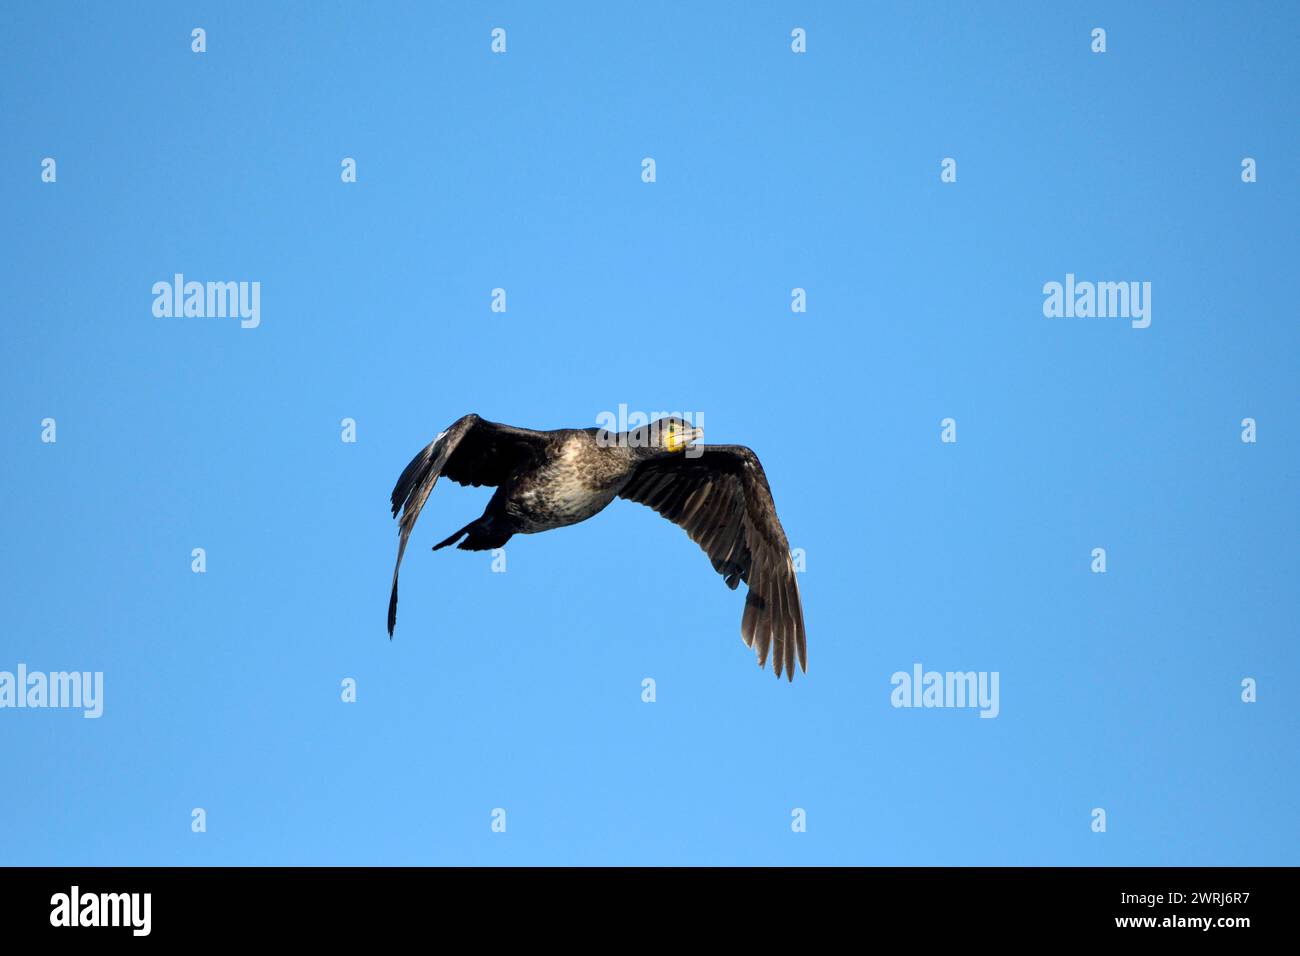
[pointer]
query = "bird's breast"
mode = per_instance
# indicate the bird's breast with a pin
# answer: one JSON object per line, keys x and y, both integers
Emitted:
{"x": 574, "y": 484}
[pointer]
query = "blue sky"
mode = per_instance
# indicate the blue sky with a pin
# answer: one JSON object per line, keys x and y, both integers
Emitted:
{"x": 775, "y": 170}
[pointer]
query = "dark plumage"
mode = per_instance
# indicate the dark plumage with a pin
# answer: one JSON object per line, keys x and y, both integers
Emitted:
{"x": 555, "y": 478}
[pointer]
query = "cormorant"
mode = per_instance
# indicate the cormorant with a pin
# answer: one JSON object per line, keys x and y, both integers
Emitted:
{"x": 549, "y": 479}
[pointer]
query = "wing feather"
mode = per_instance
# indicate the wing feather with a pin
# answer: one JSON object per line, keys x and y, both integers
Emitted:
{"x": 472, "y": 451}
{"x": 723, "y": 502}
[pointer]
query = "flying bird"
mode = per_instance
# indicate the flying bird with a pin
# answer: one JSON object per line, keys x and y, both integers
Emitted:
{"x": 549, "y": 479}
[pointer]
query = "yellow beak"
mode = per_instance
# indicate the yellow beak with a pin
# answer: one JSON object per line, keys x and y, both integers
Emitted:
{"x": 680, "y": 439}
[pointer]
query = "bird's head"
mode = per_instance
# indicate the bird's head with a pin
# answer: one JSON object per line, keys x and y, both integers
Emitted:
{"x": 665, "y": 436}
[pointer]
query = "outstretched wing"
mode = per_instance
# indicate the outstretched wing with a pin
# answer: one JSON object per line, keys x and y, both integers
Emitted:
{"x": 723, "y": 502}
{"x": 472, "y": 451}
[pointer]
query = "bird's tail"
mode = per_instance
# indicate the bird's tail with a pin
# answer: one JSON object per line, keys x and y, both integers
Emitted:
{"x": 482, "y": 535}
